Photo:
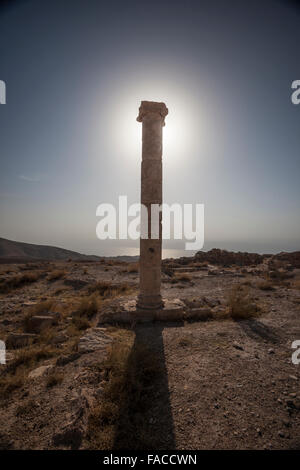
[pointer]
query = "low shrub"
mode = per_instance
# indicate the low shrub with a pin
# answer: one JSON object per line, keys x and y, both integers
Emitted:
{"x": 240, "y": 303}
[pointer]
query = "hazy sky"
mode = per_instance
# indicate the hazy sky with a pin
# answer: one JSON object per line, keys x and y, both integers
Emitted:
{"x": 76, "y": 71}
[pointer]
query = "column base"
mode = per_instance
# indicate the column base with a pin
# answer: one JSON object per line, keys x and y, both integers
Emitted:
{"x": 129, "y": 312}
{"x": 149, "y": 302}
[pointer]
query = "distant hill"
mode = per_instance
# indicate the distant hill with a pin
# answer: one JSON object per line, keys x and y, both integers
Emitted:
{"x": 221, "y": 257}
{"x": 17, "y": 252}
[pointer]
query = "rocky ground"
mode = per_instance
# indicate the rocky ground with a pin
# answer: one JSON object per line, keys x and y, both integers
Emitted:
{"x": 221, "y": 378}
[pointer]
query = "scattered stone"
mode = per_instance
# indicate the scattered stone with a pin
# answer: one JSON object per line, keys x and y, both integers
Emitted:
{"x": 194, "y": 303}
{"x": 294, "y": 404}
{"x": 271, "y": 351}
{"x": 38, "y": 323}
{"x": 220, "y": 311}
{"x": 173, "y": 311}
{"x": 63, "y": 360}
{"x": 39, "y": 371}
{"x": 55, "y": 315}
{"x": 74, "y": 430}
{"x": 237, "y": 346}
{"x": 281, "y": 434}
{"x": 200, "y": 314}
{"x": 293, "y": 377}
{"x": 59, "y": 338}
{"x": 213, "y": 303}
{"x": 19, "y": 340}
{"x": 120, "y": 313}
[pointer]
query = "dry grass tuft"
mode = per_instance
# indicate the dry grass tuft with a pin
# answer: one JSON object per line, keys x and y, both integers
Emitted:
{"x": 265, "y": 285}
{"x": 81, "y": 323}
{"x": 59, "y": 291}
{"x": 20, "y": 280}
{"x": 182, "y": 277}
{"x": 247, "y": 282}
{"x": 9, "y": 383}
{"x": 14, "y": 375}
{"x": 26, "y": 408}
{"x": 296, "y": 284}
{"x": 167, "y": 270}
{"x": 56, "y": 275}
{"x": 104, "y": 417}
{"x": 47, "y": 336}
{"x": 29, "y": 357}
{"x": 108, "y": 290}
{"x": 54, "y": 379}
{"x": 241, "y": 304}
{"x": 42, "y": 307}
{"x": 279, "y": 275}
{"x": 198, "y": 264}
{"x": 88, "y": 307}
{"x": 132, "y": 268}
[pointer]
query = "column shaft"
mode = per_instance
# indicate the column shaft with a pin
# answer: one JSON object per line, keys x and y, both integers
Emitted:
{"x": 152, "y": 117}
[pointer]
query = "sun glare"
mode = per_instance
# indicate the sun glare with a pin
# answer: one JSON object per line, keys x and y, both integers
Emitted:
{"x": 177, "y": 133}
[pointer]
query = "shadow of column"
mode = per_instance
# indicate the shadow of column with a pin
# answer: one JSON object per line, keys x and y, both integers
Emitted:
{"x": 255, "y": 329}
{"x": 145, "y": 418}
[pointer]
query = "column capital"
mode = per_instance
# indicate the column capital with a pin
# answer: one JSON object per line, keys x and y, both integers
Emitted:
{"x": 152, "y": 107}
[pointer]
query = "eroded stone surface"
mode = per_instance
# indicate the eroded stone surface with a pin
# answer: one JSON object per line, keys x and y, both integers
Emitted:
{"x": 39, "y": 371}
{"x": 94, "y": 339}
{"x": 38, "y": 323}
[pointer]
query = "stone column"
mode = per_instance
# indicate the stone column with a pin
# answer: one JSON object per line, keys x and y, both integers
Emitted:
{"x": 152, "y": 115}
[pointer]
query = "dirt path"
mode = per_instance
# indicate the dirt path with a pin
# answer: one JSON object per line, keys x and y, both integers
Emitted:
{"x": 232, "y": 386}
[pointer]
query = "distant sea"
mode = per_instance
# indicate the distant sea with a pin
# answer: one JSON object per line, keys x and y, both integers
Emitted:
{"x": 263, "y": 247}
